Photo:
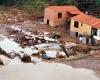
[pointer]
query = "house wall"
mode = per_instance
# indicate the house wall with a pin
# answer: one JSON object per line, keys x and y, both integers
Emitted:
{"x": 51, "y": 22}
{"x": 49, "y": 15}
{"x": 52, "y": 16}
{"x": 59, "y": 21}
{"x": 83, "y": 29}
{"x": 98, "y": 34}
{"x": 97, "y": 38}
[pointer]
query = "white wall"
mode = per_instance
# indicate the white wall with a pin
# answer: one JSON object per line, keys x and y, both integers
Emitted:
{"x": 98, "y": 35}
{"x": 98, "y": 32}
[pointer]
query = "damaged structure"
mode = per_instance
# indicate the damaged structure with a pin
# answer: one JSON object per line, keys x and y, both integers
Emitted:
{"x": 58, "y": 15}
{"x": 86, "y": 26}
{"x": 80, "y": 24}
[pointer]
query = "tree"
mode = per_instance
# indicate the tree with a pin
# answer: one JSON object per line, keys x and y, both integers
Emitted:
{"x": 97, "y": 3}
{"x": 63, "y": 2}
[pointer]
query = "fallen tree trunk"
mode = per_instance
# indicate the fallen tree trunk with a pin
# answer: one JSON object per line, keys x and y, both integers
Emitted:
{"x": 64, "y": 50}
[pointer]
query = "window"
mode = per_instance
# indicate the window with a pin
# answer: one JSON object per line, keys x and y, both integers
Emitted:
{"x": 59, "y": 15}
{"x": 76, "y": 24}
{"x": 47, "y": 22}
{"x": 94, "y": 31}
{"x": 76, "y": 34}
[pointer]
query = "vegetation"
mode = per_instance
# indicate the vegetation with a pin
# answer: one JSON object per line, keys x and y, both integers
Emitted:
{"x": 39, "y": 5}
{"x": 97, "y": 2}
{"x": 62, "y": 2}
{"x": 28, "y": 5}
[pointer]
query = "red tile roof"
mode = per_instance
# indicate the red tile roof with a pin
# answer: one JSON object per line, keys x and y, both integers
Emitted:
{"x": 97, "y": 25}
{"x": 71, "y": 9}
{"x": 87, "y": 19}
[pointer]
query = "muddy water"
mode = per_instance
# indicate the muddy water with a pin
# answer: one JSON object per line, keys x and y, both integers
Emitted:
{"x": 45, "y": 71}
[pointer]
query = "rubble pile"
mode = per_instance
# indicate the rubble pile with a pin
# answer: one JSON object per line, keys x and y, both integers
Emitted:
{"x": 2, "y": 52}
{"x": 32, "y": 38}
{"x": 26, "y": 58}
{"x": 49, "y": 42}
{"x": 82, "y": 49}
{"x": 55, "y": 35}
{"x": 11, "y": 55}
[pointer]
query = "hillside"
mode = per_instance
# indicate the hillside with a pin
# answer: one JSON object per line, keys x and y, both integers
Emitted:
{"x": 14, "y": 11}
{"x": 91, "y": 6}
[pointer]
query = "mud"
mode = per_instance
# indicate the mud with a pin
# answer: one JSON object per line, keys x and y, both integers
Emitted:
{"x": 92, "y": 62}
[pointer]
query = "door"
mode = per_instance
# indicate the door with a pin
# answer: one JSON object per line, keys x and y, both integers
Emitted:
{"x": 76, "y": 34}
{"x": 68, "y": 21}
{"x": 47, "y": 22}
{"x": 94, "y": 31}
{"x": 87, "y": 40}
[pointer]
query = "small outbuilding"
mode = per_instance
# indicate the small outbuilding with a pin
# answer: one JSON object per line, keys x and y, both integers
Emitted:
{"x": 58, "y": 15}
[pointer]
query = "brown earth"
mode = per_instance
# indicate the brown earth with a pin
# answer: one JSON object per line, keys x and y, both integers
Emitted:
{"x": 21, "y": 18}
{"x": 92, "y": 62}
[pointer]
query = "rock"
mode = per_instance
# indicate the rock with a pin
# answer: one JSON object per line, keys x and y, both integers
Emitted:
{"x": 26, "y": 58}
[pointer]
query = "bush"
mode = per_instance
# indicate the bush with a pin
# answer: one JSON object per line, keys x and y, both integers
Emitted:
{"x": 28, "y": 5}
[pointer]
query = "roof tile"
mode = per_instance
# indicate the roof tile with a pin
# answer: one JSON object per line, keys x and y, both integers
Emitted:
{"x": 71, "y": 9}
{"x": 87, "y": 19}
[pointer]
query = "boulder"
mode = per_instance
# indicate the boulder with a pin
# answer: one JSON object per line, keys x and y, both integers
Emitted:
{"x": 26, "y": 58}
